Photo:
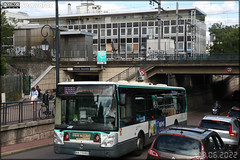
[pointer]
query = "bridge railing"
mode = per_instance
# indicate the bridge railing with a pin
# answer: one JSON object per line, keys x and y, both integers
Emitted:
{"x": 18, "y": 112}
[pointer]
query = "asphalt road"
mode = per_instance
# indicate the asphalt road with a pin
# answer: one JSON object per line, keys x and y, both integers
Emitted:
{"x": 47, "y": 152}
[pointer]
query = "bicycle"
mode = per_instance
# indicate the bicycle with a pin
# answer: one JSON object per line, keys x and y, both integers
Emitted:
{"x": 45, "y": 112}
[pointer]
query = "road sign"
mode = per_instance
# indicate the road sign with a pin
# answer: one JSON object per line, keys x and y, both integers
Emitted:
{"x": 229, "y": 69}
{"x": 142, "y": 72}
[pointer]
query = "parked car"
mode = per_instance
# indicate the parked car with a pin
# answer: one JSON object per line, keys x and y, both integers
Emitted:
{"x": 227, "y": 128}
{"x": 187, "y": 143}
{"x": 234, "y": 112}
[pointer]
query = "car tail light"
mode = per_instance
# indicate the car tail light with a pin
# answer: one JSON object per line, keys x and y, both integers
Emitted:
{"x": 66, "y": 136}
{"x": 203, "y": 155}
{"x": 179, "y": 135}
{"x": 200, "y": 124}
{"x": 153, "y": 153}
{"x": 228, "y": 113}
{"x": 231, "y": 133}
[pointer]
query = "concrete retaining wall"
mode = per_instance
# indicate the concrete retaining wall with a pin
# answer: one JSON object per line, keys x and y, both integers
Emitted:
{"x": 27, "y": 132}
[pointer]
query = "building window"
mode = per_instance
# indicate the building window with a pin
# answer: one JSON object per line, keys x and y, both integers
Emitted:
{"x": 166, "y": 30}
{"x": 76, "y": 27}
{"x": 102, "y": 32}
{"x": 103, "y": 47}
{"x": 180, "y": 21}
{"x": 123, "y": 40}
{"x": 166, "y": 22}
{"x": 129, "y": 40}
{"x": 102, "y": 25}
{"x": 180, "y": 28}
{"x": 174, "y": 29}
{"x": 103, "y": 41}
{"x": 135, "y": 24}
{"x": 70, "y": 27}
{"x": 89, "y": 26}
{"x": 95, "y": 31}
{"x": 129, "y": 31}
{"x": 109, "y": 32}
{"x": 135, "y": 31}
{"x": 189, "y": 46}
{"x": 135, "y": 40}
{"x": 123, "y": 24}
{"x": 129, "y": 48}
{"x": 109, "y": 25}
{"x": 144, "y": 40}
{"x": 156, "y": 30}
{"x": 90, "y": 31}
{"x": 114, "y": 32}
{"x": 83, "y": 26}
{"x": 150, "y": 23}
{"x": 95, "y": 26}
{"x": 95, "y": 41}
{"x": 144, "y": 23}
{"x": 173, "y": 22}
{"x": 156, "y": 23}
{"x": 144, "y": 30}
{"x": 180, "y": 46}
{"x": 123, "y": 32}
{"x": 109, "y": 40}
{"x": 114, "y": 25}
{"x": 98, "y": 18}
{"x": 129, "y": 24}
{"x": 123, "y": 47}
{"x": 180, "y": 38}
{"x": 188, "y": 38}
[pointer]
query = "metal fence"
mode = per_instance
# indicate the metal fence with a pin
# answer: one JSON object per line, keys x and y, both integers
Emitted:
{"x": 18, "y": 112}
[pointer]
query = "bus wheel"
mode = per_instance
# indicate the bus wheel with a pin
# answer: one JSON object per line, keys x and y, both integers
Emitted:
{"x": 140, "y": 145}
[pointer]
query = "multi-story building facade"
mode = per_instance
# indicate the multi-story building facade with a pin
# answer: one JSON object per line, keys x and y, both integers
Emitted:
{"x": 128, "y": 31}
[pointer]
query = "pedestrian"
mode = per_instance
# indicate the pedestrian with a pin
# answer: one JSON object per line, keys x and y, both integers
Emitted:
{"x": 39, "y": 93}
{"x": 33, "y": 94}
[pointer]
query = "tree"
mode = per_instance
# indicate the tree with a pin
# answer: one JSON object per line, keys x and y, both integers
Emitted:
{"x": 226, "y": 39}
{"x": 6, "y": 32}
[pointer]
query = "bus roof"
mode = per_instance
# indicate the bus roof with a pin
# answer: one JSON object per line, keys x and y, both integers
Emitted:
{"x": 123, "y": 84}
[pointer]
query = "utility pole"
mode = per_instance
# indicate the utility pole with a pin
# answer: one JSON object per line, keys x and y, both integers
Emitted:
{"x": 176, "y": 29}
{"x": 159, "y": 22}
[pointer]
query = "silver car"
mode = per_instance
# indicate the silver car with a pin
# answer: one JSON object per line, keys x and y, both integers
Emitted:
{"x": 227, "y": 127}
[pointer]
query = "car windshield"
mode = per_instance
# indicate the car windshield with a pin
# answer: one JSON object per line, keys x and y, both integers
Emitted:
{"x": 234, "y": 113}
{"x": 178, "y": 145}
{"x": 90, "y": 108}
{"x": 215, "y": 125}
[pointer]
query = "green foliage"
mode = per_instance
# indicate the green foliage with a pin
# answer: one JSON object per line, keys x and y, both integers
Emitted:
{"x": 6, "y": 30}
{"x": 3, "y": 66}
{"x": 226, "y": 39}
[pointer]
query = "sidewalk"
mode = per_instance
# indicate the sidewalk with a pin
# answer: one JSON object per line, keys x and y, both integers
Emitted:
{"x": 11, "y": 149}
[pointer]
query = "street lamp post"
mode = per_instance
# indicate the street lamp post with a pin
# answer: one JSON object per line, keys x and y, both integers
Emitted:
{"x": 57, "y": 45}
{"x": 45, "y": 43}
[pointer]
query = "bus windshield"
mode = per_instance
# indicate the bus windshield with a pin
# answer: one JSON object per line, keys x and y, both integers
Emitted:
{"x": 88, "y": 107}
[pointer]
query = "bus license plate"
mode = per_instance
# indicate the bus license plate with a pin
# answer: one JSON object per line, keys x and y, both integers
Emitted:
{"x": 83, "y": 153}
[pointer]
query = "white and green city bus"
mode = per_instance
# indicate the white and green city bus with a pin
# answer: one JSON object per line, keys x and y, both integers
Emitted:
{"x": 108, "y": 119}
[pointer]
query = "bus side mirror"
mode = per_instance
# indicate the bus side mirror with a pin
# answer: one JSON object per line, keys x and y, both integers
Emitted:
{"x": 122, "y": 99}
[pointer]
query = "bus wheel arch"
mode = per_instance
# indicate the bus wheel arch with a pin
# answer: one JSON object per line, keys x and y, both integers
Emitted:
{"x": 140, "y": 140}
{"x": 139, "y": 143}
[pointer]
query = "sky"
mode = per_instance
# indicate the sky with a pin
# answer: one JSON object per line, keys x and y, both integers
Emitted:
{"x": 226, "y": 12}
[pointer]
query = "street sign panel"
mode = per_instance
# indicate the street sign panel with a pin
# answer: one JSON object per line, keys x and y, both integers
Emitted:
{"x": 229, "y": 69}
{"x": 101, "y": 57}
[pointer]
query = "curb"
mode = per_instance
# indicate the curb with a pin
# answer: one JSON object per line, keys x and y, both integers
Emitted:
{"x": 25, "y": 149}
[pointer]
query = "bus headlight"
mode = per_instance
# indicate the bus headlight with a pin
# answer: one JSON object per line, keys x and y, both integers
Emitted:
{"x": 110, "y": 141}
{"x": 58, "y": 137}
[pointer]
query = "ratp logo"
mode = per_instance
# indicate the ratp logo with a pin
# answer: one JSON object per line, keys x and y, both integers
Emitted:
{"x": 9, "y": 5}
